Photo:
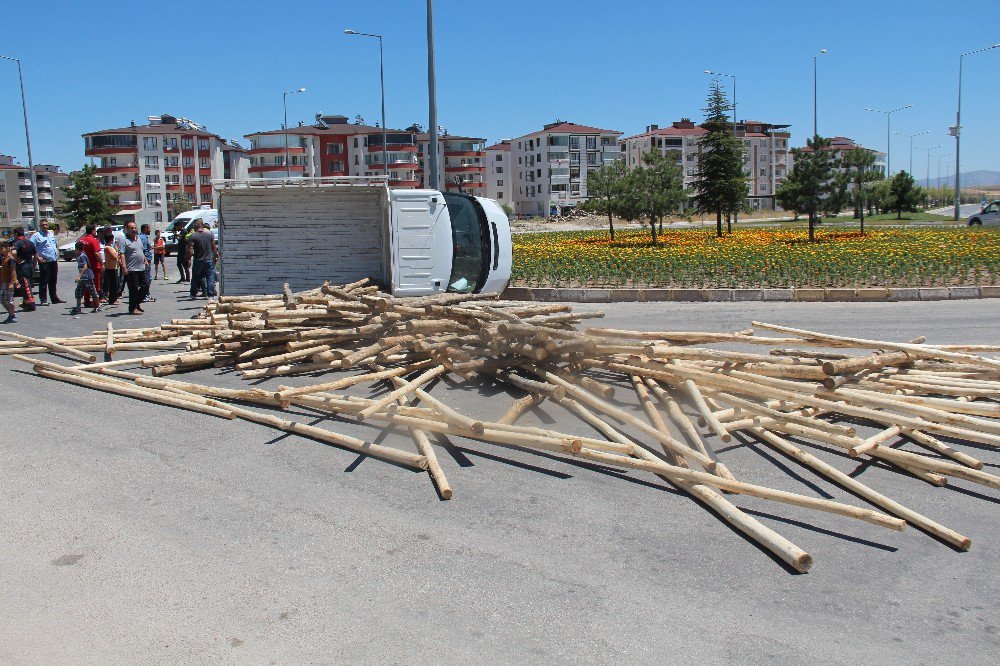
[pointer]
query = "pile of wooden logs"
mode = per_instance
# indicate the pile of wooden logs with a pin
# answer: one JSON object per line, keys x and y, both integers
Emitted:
{"x": 805, "y": 394}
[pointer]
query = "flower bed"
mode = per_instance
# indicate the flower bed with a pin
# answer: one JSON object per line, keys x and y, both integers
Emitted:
{"x": 769, "y": 257}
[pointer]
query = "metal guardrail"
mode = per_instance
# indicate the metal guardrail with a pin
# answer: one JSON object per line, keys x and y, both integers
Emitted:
{"x": 311, "y": 181}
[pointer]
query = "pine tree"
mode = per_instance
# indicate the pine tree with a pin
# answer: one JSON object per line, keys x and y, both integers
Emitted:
{"x": 721, "y": 185}
{"x": 85, "y": 202}
{"x": 859, "y": 173}
{"x": 903, "y": 194}
{"x": 811, "y": 182}
{"x": 605, "y": 188}
{"x": 659, "y": 186}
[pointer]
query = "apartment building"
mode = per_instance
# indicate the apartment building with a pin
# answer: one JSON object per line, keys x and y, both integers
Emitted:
{"x": 461, "y": 163}
{"x": 841, "y": 145}
{"x": 334, "y": 147}
{"x": 17, "y": 205}
{"x": 552, "y": 165}
{"x": 146, "y": 166}
{"x": 766, "y": 156}
{"x": 499, "y": 173}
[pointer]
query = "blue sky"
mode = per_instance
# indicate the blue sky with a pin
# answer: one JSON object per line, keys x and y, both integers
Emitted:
{"x": 504, "y": 67}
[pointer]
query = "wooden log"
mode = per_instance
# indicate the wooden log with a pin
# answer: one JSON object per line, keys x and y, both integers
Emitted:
{"x": 424, "y": 446}
{"x": 934, "y": 444}
{"x": 109, "y": 345}
{"x": 871, "y": 362}
{"x": 937, "y": 466}
{"x": 877, "y": 439}
{"x": 449, "y": 414}
{"x": 698, "y": 400}
{"x": 861, "y": 490}
{"x": 285, "y": 393}
{"x": 791, "y": 417}
{"x": 919, "y": 351}
{"x": 519, "y": 407}
{"x": 408, "y": 387}
{"x": 60, "y": 349}
{"x": 679, "y": 418}
{"x": 690, "y": 475}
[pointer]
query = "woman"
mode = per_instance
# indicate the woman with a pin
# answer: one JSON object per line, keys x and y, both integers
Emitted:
{"x": 112, "y": 263}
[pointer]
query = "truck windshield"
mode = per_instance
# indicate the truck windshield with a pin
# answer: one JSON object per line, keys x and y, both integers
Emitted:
{"x": 471, "y": 243}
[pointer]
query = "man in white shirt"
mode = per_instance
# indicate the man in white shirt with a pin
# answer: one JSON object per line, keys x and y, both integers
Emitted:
{"x": 47, "y": 253}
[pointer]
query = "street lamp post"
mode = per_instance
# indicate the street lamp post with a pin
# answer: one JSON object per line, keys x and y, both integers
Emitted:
{"x": 957, "y": 129}
{"x": 888, "y": 135}
{"x": 927, "y": 180}
{"x": 815, "y": 89}
{"x": 27, "y": 140}
{"x": 733, "y": 77}
{"x": 381, "y": 73}
{"x": 284, "y": 100}
{"x": 911, "y": 144}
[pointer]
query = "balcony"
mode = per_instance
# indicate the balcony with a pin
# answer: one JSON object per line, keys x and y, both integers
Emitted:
{"x": 175, "y": 167}
{"x": 130, "y": 206}
{"x": 292, "y": 150}
{"x": 559, "y": 164}
{"x": 394, "y": 148}
{"x": 465, "y": 153}
{"x": 377, "y": 166}
{"x": 122, "y": 150}
{"x": 121, "y": 187}
{"x": 45, "y": 196}
{"x": 467, "y": 184}
{"x": 128, "y": 168}
{"x": 465, "y": 168}
{"x": 404, "y": 183}
{"x": 291, "y": 168}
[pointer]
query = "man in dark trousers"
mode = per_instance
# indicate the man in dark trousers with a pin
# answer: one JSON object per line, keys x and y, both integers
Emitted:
{"x": 95, "y": 255}
{"x": 183, "y": 263}
{"x": 24, "y": 256}
{"x": 203, "y": 253}
{"x": 135, "y": 264}
{"x": 47, "y": 252}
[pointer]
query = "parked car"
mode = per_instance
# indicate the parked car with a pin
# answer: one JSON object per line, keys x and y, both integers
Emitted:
{"x": 66, "y": 250}
{"x": 989, "y": 216}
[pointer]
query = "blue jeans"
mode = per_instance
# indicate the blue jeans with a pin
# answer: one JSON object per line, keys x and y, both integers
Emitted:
{"x": 202, "y": 269}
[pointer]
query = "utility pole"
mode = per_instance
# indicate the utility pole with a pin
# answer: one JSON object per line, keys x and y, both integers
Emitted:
{"x": 815, "y": 91}
{"x": 432, "y": 161}
{"x": 27, "y": 140}
{"x": 284, "y": 100}
{"x": 956, "y": 131}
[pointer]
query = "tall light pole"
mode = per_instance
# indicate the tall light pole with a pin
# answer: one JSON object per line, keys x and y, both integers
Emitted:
{"x": 815, "y": 89}
{"x": 888, "y": 135}
{"x": 957, "y": 129}
{"x": 381, "y": 74}
{"x": 927, "y": 180}
{"x": 284, "y": 100}
{"x": 432, "y": 99}
{"x": 940, "y": 158}
{"x": 911, "y": 144}
{"x": 27, "y": 140}
{"x": 733, "y": 77}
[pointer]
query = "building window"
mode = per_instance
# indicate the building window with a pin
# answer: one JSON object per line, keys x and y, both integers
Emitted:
{"x": 763, "y": 172}
{"x": 355, "y": 157}
{"x": 188, "y": 161}
{"x": 188, "y": 179}
{"x": 499, "y": 183}
{"x": 335, "y": 166}
{"x": 499, "y": 195}
{"x": 153, "y": 199}
{"x": 173, "y": 161}
{"x": 112, "y": 161}
{"x": 204, "y": 180}
{"x": 153, "y": 178}
{"x": 499, "y": 169}
{"x": 158, "y": 216}
{"x": 152, "y": 162}
{"x": 202, "y": 144}
{"x": 203, "y": 162}
{"x": 149, "y": 143}
{"x": 186, "y": 144}
{"x": 334, "y": 149}
{"x": 355, "y": 144}
{"x": 591, "y": 143}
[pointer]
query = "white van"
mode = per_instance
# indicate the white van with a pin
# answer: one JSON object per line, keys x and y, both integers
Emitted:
{"x": 185, "y": 222}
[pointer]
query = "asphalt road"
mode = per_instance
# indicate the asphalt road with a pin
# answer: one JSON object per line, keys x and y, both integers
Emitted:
{"x": 141, "y": 534}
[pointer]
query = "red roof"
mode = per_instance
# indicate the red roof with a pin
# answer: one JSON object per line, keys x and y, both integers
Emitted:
{"x": 572, "y": 128}
{"x": 672, "y": 131}
{"x": 334, "y": 130}
{"x": 503, "y": 145}
{"x": 155, "y": 129}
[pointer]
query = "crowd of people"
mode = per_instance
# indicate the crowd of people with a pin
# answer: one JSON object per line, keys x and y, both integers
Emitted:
{"x": 107, "y": 263}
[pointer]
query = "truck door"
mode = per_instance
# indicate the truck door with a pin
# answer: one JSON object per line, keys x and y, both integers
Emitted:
{"x": 421, "y": 243}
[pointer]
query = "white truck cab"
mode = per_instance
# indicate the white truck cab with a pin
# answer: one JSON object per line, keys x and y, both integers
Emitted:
{"x": 185, "y": 222}
{"x": 305, "y": 231}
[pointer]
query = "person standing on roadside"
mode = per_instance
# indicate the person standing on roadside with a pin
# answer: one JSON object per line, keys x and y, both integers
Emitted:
{"x": 112, "y": 263}
{"x": 183, "y": 266}
{"x": 159, "y": 254}
{"x": 135, "y": 264}
{"x": 24, "y": 257}
{"x": 84, "y": 281}
{"x": 147, "y": 251}
{"x": 47, "y": 252}
{"x": 92, "y": 248}
{"x": 203, "y": 253}
{"x": 8, "y": 282}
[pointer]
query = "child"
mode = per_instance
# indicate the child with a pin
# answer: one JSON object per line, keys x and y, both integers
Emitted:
{"x": 84, "y": 281}
{"x": 8, "y": 282}
{"x": 159, "y": 254}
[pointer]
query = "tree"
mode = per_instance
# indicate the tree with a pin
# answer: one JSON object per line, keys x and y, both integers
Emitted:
{"x": 721, "y": 185}
{"x": 904, "y": 195}
{"x": 859, "y": 172}
{"x": 85, "y": 202}
{"x": 605, "y": 188}
{"x": 658, "y": 187}
{"x": 508, "y": 210}
{"x": 811, "y": 182}
{"x": 178, "y": 205}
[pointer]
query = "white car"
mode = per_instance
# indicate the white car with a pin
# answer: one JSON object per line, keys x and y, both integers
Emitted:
{"x": 66, "y": 251}
{"x": 989, "y": 216}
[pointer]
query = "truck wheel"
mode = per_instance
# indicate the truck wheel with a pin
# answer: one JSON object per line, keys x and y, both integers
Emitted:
{"x": 975, "y": 222}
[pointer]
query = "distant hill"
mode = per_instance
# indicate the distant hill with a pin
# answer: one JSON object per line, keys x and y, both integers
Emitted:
{"x": 981, "y": 178}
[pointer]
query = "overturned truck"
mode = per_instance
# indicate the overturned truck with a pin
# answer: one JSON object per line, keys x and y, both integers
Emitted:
{"x": 305, "y": 231}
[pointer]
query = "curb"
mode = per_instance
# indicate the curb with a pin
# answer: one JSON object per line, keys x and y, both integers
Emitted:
{"x": 831, "y": 295}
